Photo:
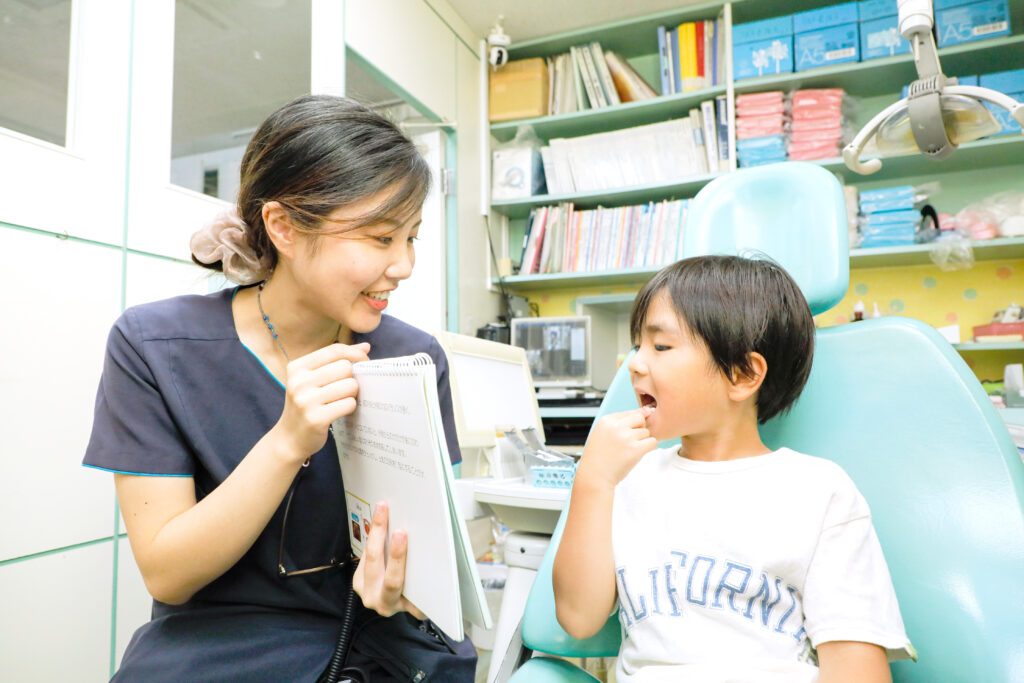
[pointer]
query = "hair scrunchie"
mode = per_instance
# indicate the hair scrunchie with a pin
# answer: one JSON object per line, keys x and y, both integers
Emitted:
{"x": 223, "y": 239}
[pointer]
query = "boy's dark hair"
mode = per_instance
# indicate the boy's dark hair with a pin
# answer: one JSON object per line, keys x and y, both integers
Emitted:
{"x": 737, "y": 306}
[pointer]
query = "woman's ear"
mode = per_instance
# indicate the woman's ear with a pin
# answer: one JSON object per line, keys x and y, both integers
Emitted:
{"x": 744, "y": 385}
{"x": 279, "y": 229}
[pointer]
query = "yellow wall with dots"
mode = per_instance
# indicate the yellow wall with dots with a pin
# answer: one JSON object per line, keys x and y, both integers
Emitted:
{"x": 965, "y": 297}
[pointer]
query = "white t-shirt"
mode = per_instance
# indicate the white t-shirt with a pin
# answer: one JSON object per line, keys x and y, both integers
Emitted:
{"x": 735, "y": 570}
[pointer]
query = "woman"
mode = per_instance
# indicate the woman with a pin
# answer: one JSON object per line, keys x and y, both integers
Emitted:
{"x": 214, "y": 413}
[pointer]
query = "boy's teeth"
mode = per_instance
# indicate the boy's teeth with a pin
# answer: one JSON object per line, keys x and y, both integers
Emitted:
{"x": 379, "y": 296}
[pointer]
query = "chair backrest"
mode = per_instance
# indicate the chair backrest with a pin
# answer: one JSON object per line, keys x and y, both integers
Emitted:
{"x": 896, "y": 406}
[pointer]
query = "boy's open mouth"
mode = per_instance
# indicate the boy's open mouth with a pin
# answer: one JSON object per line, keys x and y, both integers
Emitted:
{"x": 647, "y": 401}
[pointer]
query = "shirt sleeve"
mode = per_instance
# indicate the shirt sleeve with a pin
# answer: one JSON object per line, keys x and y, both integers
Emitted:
{"x": 848, "y": 593}
{"x": 444, "y": 394}
{"x": 133, "y": 431}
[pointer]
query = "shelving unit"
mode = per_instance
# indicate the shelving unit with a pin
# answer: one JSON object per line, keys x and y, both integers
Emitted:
{"x": 879, "y": 257}
{"x": 976, "y": 170}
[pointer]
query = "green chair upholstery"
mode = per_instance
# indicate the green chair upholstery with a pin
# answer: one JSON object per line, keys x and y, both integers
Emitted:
{"x": 893, "y": 403}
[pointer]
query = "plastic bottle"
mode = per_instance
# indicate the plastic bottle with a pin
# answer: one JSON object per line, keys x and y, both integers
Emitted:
{"x": 858, "y": 311}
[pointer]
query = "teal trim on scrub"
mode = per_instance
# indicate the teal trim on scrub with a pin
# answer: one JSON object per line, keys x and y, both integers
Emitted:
{"x": 134, "y": 474}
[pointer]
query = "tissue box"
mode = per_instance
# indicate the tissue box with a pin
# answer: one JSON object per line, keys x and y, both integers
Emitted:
{"x": 881, "y": 38}
{"x": 519, "y": 90}
{"x": 975, "y": 21}
{"x": 763, "y": 47}
{"x": 516, "y": 173}
{"x": 833, "y": 45}
{"x": 1010, "y": 83}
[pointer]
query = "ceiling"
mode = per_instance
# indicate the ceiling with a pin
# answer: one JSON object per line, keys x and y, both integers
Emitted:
{"x": 526, "y": 19}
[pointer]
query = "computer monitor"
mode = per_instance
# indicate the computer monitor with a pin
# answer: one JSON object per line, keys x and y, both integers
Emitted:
{"x": 557, "y": 349}
{"x": 491, "y": 388}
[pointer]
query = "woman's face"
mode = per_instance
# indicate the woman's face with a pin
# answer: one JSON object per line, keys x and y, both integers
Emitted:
{"x": 348, "y": 277}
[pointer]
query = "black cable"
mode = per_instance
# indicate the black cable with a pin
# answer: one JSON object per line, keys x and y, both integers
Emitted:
{"x": 335, "y": 668}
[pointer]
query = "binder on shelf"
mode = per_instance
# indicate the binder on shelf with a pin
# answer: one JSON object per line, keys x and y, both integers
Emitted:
{"x": 665, "y": 61}
{"x": 630, "y": 86}
{"x": 709, "y": 119}
{"x": 604, "y": 74}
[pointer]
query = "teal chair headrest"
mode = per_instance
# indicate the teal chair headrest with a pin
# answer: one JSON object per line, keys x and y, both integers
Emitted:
{"x": 762, "y": 209}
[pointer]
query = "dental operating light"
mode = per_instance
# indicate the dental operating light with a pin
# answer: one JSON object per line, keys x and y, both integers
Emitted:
{"x": 937, "y": 115}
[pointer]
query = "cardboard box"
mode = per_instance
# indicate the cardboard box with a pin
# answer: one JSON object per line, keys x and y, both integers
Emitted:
{"x": 1010, "y": 83}
{"x": 763, "y": 57}
{"x": 974, "y": 21}
{"x": 881, "y": 38}
{"x": 832, "y": 45}
{"x": 776, "y": 27}
{"x": 815, "y": 19}
{"x": 876, "y": 9}
{"x": 519, "y": 90}
{"x": 763, "y": 47}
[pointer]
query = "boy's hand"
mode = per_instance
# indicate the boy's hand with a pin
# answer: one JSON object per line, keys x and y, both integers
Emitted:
{"x": 616, "y": 444}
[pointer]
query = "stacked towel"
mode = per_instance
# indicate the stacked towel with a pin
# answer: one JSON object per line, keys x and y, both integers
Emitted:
{"x": 888, "y": 217}
{"x": 817, "y": 128}
{"x": 761, "y": 122}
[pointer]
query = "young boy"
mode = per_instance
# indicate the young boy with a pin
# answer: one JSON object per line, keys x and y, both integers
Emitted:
{"x": 731, "y": 562}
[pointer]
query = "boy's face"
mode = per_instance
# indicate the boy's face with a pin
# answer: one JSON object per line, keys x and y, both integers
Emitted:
{"x": 674, "y": 372}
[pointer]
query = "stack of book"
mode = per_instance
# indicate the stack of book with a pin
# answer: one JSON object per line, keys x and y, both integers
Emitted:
{"x": 817, "y": 127}
{"x": 561, "y": 239}
{"x": 761, "y": 125}
{"x": 655, "y": 154}
{"x": 589, "y": 77}
{"x": 691, "y": 55}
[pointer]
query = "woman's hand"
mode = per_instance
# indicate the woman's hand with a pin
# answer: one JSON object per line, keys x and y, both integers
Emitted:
{"x": 320, "y": 389}
{"x": 616, "y": 444}
{"x": 379, "y": 581}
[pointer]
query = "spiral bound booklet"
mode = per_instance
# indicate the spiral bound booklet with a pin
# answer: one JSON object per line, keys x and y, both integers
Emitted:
{"x": 393, "y": 448}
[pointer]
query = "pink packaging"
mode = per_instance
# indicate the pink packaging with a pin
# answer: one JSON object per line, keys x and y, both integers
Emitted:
{"x": 831, "y": 135}
{"x": 759, "y": 98}
{"x": 815, "y": 124}
{"x": 760, "y": 109}
{"x": 832, "y": 96}
{"x": 818, "y": 112}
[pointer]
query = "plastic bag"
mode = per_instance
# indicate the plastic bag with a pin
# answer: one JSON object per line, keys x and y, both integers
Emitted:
{"x": 1007, "y": 208}
{"x": 952, "y": 248}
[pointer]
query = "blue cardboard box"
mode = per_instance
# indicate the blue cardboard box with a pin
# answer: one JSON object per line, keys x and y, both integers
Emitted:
{"x": 974, "y": 21}
{"x": 750, "y": 32}
{"x": 833, "y": 45}
{"x": 1010, "y": 83}
{"x": 1003, "y": 81}
{"x": 876, "y": 9}
{"x": 763, "y": 57}
{"x": 815, "y": 19}
{"x": 763, "y": 47}
{"x": 881, "y": 38}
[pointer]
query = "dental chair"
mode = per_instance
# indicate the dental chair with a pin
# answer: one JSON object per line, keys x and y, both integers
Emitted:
{"x": 890, "y": 401}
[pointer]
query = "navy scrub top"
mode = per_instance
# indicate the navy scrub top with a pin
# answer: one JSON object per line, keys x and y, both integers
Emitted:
{"x": 181, "y": 396}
